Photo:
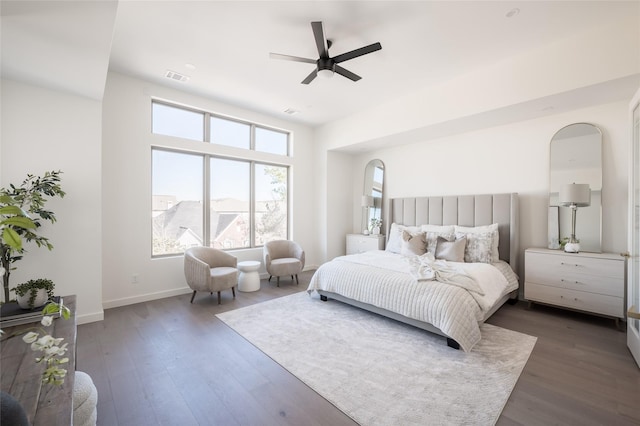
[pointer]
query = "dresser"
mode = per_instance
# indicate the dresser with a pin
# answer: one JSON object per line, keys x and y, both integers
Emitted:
{"x": 359, "y": 243}
{"x": 589, "y": 282}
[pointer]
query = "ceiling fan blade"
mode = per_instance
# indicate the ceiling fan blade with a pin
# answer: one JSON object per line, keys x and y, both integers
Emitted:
{"x": 310, "y": 77}
{"x": 291, "y": 58}
{"x": 321, "y": 40}
{"x": 358, "y": 52}
{"x": 346, "y": 73}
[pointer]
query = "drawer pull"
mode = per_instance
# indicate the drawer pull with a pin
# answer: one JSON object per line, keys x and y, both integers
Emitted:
{"x": 571, "y": 264}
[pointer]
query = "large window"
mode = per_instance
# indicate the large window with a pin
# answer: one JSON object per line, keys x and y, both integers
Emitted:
{"x": 205, "y": 199}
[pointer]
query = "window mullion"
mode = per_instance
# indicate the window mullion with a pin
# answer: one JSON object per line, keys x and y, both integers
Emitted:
{"x": 206, "y": 203}
{"x": 252, "y": 204}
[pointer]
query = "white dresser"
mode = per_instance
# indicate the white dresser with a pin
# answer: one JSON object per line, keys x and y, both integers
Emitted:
{"x": 589, "y": 282}
{"x": 359, "y": 243}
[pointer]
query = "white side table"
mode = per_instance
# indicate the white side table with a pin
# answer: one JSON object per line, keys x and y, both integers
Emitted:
{"x": 249, "y": 279}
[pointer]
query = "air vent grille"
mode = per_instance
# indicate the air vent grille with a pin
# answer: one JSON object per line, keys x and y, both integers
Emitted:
{"x": 176, "y": 76}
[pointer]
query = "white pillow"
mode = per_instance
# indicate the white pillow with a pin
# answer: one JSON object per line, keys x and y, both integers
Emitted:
{"x": 394, "y": 243}
{"x": 493, "y": 229}
{"x": 441, "y": 229}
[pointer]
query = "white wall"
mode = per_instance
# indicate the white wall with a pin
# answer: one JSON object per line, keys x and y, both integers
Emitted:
{"x": 44, "y": 130}
{"x": 126, "y": 163}
{"x": 510, "y": 158}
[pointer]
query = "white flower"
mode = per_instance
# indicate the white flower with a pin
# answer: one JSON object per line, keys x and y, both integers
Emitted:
{"x": 30, "y": 337}
{"x": 46, "y": 320}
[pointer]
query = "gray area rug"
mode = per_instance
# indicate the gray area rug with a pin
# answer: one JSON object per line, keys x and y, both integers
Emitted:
{"x": 381, "y": 372}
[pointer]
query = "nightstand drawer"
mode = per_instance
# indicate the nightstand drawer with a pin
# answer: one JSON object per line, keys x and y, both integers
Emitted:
{"x": 596, "y": 303}
{"x": 358, "y": 243}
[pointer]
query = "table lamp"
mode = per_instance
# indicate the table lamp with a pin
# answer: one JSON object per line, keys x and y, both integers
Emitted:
{"x": 574, "y": 195}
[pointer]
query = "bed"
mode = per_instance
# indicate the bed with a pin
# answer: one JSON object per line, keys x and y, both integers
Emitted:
{"x": 394, "y": 284}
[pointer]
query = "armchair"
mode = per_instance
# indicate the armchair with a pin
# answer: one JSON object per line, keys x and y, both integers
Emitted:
{"x": 209, "y": 269}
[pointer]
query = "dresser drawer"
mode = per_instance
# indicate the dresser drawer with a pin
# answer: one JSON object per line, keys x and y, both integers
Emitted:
{"x": 589, "y": 302}
{"x": 557, "y": 264}
{"x": 599, "y": 276}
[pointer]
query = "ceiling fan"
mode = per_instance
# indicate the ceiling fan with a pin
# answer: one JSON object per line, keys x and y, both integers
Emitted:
{"x": 325, "y": 64}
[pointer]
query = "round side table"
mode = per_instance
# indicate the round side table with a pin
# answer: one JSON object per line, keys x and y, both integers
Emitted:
{"x": 249, "y": 279}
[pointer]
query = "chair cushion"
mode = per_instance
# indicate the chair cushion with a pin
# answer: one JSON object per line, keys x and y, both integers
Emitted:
{"x": 285, "y": 266}
{"x": 222, "y": 278}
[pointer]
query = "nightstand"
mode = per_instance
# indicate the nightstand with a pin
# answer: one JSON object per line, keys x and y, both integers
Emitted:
{"x": 588, "y": 282}
{"x": 359, "y": 243}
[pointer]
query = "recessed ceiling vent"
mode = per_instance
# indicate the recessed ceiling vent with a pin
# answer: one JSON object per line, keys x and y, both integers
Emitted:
{"x": 175, "y": 76}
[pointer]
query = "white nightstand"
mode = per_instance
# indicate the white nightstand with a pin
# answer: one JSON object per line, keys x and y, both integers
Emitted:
{"x": 589, "y": 282}
{"x": 359, "y": 243}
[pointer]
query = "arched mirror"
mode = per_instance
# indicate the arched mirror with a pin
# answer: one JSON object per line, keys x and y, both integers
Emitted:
{"x": 372, "y": 193}
{"x": 575, "y": 188}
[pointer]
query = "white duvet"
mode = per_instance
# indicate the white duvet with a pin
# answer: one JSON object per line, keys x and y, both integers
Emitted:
{"x": 454, "y": 297}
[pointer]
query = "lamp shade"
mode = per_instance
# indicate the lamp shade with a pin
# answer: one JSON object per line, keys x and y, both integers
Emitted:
{"x": 578, "y": 194}
{"x": 367, "y": 201}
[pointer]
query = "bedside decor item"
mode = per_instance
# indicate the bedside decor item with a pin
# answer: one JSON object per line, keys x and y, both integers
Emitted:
{"x": 574, "y": 195}
{"x": 21, "y": 212}
{"x": 367, "y": 203}
{"x": 376, "y": 224}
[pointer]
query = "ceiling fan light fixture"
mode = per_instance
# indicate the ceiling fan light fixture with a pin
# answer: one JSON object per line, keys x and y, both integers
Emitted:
{"x": 325, "y": 73}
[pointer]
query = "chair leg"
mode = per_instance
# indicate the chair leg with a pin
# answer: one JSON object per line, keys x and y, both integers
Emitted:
{"x": 297, "y": 282}
{"x": 193, "y": 295}
{"x": 233, "y": 290}
{"x": 219, "y": 298}
{"x": 278, "y": 281}
{"x": 269, "y": 278}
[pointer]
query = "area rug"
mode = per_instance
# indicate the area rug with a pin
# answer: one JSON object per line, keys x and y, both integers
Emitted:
{"x": 381, "y": 372}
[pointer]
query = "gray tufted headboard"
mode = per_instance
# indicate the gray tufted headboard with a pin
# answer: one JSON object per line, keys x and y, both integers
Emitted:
{"x": 464, "y": 210}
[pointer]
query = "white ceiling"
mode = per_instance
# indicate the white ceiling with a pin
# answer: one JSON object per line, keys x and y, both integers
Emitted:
{"x": 68, "y": 44}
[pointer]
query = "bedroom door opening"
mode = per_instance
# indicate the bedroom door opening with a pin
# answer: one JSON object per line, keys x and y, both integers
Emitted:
{"x": 633, "y": 265}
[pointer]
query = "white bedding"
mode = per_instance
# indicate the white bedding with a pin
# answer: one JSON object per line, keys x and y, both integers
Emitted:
{"x": 396, "y": 283}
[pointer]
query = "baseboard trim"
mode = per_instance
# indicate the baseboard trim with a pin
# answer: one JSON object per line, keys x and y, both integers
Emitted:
{"x": 87, "y": 318}
{"x": 107, "y": 304}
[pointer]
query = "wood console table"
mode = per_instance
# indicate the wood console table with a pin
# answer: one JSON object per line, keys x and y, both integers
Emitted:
{"x": 21, "y": 377}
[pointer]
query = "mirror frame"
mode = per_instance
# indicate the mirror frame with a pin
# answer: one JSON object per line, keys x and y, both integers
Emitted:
{"x": 375, "y": 189}
{"x": 559, "y": 219}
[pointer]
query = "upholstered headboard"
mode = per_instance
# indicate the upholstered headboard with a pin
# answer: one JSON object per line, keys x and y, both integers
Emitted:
{"x": 464, "y": 210}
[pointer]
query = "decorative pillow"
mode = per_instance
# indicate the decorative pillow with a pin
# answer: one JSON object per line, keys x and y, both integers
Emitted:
{"x": 493, "y": 229}
{"x": 395, "y": 236}
{"x": 452, "y": 251}
{"x": 432, "y": 239}
{"x": 413, "y": 244}
{"x": 440, "y": 229}
{"x": 479, "y": 247}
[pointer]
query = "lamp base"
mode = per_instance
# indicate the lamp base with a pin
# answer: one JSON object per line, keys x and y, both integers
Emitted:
{"x": 572, "y": 247}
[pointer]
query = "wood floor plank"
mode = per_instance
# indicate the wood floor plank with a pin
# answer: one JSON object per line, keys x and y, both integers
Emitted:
{"x": 172, "y": 362}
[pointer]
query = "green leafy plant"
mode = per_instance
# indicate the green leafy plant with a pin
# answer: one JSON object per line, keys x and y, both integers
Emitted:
{"x": 53, "y": 350}
{"x": 21, "y": 215}
{"x": 31, "y": 287}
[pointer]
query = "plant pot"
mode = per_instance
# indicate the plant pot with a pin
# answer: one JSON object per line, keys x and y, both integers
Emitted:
{"x": 41, "y": 299}
{"x": 376, "y": 230}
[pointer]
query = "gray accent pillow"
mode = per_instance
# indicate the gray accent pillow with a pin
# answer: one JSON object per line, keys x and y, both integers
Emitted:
{"x": 479, "y": 247}
{"x": 394, "y": 240}
{"x": 413, "y": 244}
{"x": 452, "y": 251}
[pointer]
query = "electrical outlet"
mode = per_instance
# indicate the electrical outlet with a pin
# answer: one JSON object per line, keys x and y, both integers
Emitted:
{"x": 135, "y": 279}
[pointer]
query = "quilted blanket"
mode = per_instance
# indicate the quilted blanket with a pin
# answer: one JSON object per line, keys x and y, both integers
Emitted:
{"x": 388, "y": 281}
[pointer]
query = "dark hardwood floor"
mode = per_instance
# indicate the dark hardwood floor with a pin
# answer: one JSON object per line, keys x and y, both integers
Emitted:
{"x": 169, "y": 362}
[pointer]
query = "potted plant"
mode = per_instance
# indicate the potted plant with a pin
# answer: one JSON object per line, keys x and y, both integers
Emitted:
{"x": 21, "y": 214}
{"x": 375, "y": 226}
{"x": 34, "y": 293}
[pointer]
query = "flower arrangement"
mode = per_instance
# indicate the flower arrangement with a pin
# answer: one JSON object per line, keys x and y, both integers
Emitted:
{"x": 375, "y": 223}
{"x": 52, "y": 349}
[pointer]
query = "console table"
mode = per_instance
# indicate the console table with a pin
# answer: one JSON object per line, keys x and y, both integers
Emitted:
{"x": 21, "y": 377}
